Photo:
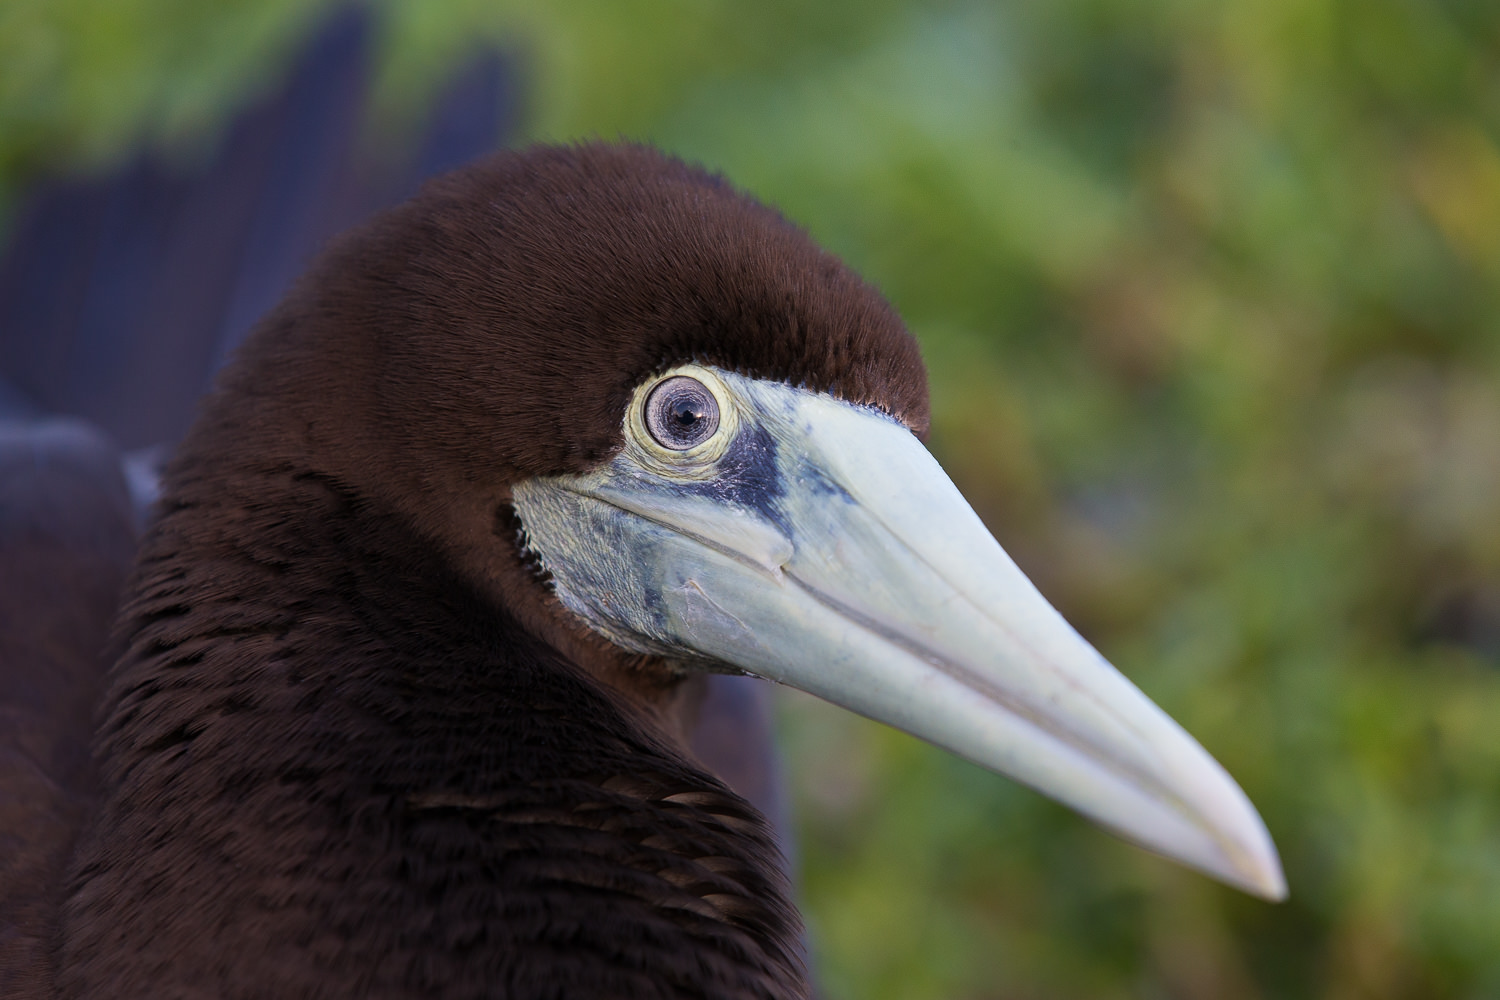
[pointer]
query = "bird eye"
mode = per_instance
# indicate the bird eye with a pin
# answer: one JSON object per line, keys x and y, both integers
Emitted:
{"x": 681, "y": 413}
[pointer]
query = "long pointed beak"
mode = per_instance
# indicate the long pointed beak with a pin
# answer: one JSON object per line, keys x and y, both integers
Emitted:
{"x": 826, "y": 549}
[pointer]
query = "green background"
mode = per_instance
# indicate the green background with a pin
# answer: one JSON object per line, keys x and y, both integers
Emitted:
{"x": 1209, "y": 297}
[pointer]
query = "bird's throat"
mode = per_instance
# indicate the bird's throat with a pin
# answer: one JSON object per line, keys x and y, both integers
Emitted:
{"x": 327, "y": 751}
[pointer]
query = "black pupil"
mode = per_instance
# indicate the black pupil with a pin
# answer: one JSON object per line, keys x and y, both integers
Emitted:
{"x": 681, "y": 412}
{"x": 685, "y": 412}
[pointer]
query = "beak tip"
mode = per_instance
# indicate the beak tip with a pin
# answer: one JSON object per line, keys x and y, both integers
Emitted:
{"x": 1270, "y": 883}
{"x": 1259, "y": 873}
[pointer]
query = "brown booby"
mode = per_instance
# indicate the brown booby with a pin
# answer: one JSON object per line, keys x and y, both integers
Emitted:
{"x": 409, "y": 650}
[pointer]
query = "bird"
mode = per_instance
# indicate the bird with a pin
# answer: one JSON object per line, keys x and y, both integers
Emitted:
{"x": 405, "y": 669}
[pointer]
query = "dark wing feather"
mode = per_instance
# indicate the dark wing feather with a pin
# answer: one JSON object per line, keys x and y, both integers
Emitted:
{"x": 67, "y": 539}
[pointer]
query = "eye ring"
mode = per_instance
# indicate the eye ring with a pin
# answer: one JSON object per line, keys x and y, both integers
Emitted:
{"x": 681, "y": 413}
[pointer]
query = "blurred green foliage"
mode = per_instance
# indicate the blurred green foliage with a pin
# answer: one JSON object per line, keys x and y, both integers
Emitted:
{"x": 1210, "y": 294}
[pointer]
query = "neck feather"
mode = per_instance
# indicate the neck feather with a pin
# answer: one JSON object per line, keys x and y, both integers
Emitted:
{"x": 329, "y": 761}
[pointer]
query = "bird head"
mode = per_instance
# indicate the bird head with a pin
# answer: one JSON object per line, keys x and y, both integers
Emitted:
{"x": 707, "y": 434}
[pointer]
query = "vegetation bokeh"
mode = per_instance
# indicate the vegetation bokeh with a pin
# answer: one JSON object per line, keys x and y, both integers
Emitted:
{"x": 1210, "y": 295}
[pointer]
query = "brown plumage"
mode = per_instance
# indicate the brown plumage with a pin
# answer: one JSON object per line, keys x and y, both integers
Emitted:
{"x": 354, "y": 746}
{"x": 67, "y": 539}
